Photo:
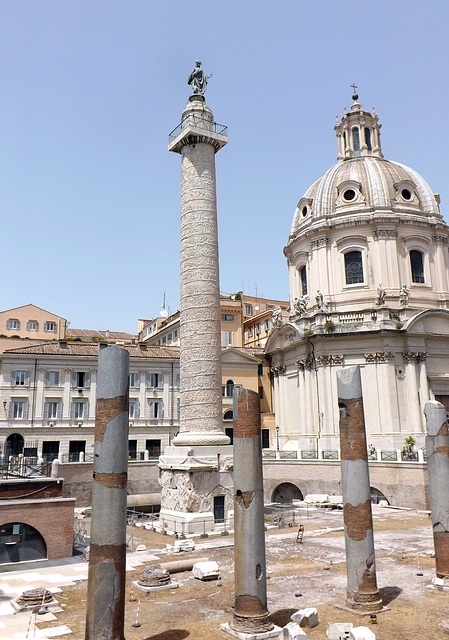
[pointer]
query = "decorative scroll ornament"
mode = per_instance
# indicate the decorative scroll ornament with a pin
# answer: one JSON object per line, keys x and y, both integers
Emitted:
{"x": 417, "y": 356}
{"x": 403, "y": 295}
{"x": 277, "y": 371}
{"x": 380, "y": 356}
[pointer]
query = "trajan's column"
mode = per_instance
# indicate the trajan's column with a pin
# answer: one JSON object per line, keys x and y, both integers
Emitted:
{"x": 195, "y": 472}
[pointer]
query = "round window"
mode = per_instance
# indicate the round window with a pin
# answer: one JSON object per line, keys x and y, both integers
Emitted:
{"x": 349, "y": 195}
{"x": 406, "y": 194}
{"x": 304, "y": 212}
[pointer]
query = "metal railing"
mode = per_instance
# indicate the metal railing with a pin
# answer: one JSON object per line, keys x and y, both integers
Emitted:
{"x": 24, "y": 468}
{"x": 328, "y": 454}
{"x": 198, "y": 123}
{"x": 388, "y": 456}
{"x": 309, "y": 455}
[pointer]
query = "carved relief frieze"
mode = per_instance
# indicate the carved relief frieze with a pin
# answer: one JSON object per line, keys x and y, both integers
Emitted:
{"x": 440, "y": 239}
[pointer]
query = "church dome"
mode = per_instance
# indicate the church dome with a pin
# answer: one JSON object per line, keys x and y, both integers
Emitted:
{"x": 363, "y": 184}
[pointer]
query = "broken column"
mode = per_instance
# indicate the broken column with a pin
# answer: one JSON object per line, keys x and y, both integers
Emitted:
{"x": 362, "y": 591}
{"x": 250, "y": 613}
{"x": 437, "y": 448}
{"x": 106, "y": 582}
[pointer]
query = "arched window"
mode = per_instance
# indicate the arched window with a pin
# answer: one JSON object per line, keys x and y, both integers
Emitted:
{"x": 417, "y": 266}
{"x": 229, "y": 388}
{"x": 353, "y": 267}
{"x": 228, "y": 415}
{"x": 356, "y": 139}
{"x": 368, "y": 138}
{"x": 303, "y": 278}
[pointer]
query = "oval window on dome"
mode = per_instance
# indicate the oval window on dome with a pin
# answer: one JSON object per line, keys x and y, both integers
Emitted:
{"x": 304, "y": 212}
{"x": 406, "y": 194}
{"x": 349, "y": 195}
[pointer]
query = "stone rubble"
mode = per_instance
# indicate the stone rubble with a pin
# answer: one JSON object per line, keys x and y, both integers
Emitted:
{"x": 361, "y": 633}
{"x": 205, "y": 570}
{"x": 338, "y": 630}
{"x": 292, "y": 631}
{"x": 306, "y": 617}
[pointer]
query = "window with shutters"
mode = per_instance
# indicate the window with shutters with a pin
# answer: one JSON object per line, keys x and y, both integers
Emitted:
{"x": 79, "y": 410}
{"x": 53, "y": 410}
{"x": 32, "y": 325}
{"x": 134, "y": 409}
{"x": 81, "y": 379}
{"x": 155, "y": 380}
{"x": 13, "y": 324}
{"x": 227, "y": 317}
{"x": 178, "y": 380}
{"x": 267, "y": 325}
{"x": 50, "y": 326}
{"x": 18, "y": 410}
{"x": 52, "y": 379}
{"x": 156, "y": 410}
{"x": 134, "y": 380}
{"x": 249, "y": 309}
{"x": 20, "y": 379}
{"x": 250, "y": 331}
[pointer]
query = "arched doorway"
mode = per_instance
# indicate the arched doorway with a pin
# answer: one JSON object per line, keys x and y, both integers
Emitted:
{"x": 14, "y": 445}
{"x": 285, "y": 493}
{"x": 20, "y": 541}
{"x": 377, "y": 496}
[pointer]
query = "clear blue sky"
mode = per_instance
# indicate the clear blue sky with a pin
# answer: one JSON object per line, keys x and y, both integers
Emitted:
{"x": 90, "y": 89}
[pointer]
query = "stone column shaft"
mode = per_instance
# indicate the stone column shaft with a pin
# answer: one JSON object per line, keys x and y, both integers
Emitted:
{"x": 437, "y": 447}
{"x": 250, "y": 613}
{"x": 200, "y": 322}
{"x": 107, "y": 566}
{"x": 362, "y": 591}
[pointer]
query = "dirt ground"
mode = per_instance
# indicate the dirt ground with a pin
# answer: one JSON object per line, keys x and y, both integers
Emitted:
{"x": 312, "y": 574}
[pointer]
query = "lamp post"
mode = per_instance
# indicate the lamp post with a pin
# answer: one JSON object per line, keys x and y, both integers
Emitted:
{"x": 277, "y": 437}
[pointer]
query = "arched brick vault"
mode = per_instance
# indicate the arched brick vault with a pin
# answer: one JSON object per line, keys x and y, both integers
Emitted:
{"x": 52, "y": 518}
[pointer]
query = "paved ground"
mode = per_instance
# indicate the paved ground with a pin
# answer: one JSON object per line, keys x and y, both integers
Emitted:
{"x": 315, "y": 569}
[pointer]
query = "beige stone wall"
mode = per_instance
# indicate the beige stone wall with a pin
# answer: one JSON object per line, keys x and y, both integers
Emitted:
{"x": 52, "y": 517}
{"x": 142, "y": 478}
{"x": 402, "y": 484}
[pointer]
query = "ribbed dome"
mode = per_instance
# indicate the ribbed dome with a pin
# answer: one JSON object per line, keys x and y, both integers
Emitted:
{"x": 365, "y": 185}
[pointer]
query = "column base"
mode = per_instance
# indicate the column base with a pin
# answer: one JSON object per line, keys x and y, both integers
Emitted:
{"x": 364, "y": 602}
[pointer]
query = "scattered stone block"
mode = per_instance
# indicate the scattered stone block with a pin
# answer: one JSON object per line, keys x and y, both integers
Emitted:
{"x": 316, "y": 498}
{"x": 292, "y": 631}
{"x": 205, "y": 570}
{"x": 338, "y": 630}
{"x": 306, "y": 617}
{"x": 183, "y": 545}
{"x": 361, "y": 633}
